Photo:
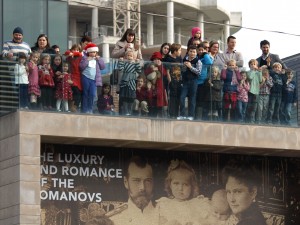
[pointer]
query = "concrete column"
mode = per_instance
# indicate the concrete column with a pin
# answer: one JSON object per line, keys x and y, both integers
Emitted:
{"x": 105, "y": 52}
{"x": 200, "y": 19}
{"x": 150, "y": 30}
{"x": 73, "y": 32}
{"x": 226, "y": 33}
{"x": 170, "y": 22}
{"x": 178, "y": 36}
{"x": 95, "y": 26}
{"x": 20, "y": 179}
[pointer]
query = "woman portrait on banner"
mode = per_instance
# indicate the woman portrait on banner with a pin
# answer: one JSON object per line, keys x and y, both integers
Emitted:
{"x": 242, "y": 181}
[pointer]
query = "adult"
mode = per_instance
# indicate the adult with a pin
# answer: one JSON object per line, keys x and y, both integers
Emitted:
{"x": 16, "y": 45}
{"x": 138, "y": 181}
{"x": 85, "y": 40}
{"x": 165, "y": 49}
{"x": 56, "y": 48}
{"x": 128, "y": 40}
{"x": 213, "y": 52}
{"x": 42, "y": 45}
{"x": 231, "y": 53}
{"x": 242, "y": 182}
{"x": 268, "y": 58}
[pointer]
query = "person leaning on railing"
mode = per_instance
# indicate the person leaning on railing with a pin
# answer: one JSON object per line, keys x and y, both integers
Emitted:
{"x": 15, "y": 46}
{"x": 42, "y": 46}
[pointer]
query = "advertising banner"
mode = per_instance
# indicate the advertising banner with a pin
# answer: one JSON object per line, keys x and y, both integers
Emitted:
{"x": 84, "y": 185}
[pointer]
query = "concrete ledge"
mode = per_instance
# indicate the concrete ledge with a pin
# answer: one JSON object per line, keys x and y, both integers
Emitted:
{"x": 159, "y": 133}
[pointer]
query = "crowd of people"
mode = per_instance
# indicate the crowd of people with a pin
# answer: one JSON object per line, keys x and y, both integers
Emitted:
{"x": 215, "y": 83}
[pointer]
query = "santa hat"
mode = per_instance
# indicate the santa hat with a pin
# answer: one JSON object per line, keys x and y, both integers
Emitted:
{"x": 156, "y": 55}
{"x": 91, "y": 47}
{"x": 195, "y": 30}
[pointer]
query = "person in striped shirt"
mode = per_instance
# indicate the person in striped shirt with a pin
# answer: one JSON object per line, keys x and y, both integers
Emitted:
{"x": 131, "y": 69}
{"x": 12, "y": 48}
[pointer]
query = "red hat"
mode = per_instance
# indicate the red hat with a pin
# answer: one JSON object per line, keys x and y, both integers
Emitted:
{"x": 195, "y": 30}
{"x": 91, "y": 47}
{"x": 156, "y": 55}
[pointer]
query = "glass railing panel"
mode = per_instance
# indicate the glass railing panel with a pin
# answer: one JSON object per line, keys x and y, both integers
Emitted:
{"x": 9, "y": 91}
{"x": 150, "y": 89}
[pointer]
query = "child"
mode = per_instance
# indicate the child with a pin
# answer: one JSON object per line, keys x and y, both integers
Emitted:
{"x": 33, "y": 76}
{"x": 254, "y": 76}
{"x": 57, "y": 66}
{"x": 207, "y": 61}
{"x": 158, "y": 70}
{"x": 196, "y": 33}
{"x": 90, "y": 67}
{"x": 57, "y": 69}
{"x": 74, "y": 57}
{"x": 173, "y": 64}
{"x": 190, "y": 72}
{"x": 264, "y": 94}
{"x": 131, "y": 68}
{"x": 141, "y": 96}
{"x": 242, "y": 97}
{"x": 46, "y": 82}
{"x": 105, "y": 101}
{"x": 213, "y": 97}
{"x": 175, "y": 91}
{"x": 231, "y": 77}
{"x": 289, "y": 98}
{"x": 183, "y": 205}
{"x": 279, "y": 79}
{"x": 63, "y": 88}
{"x": 21, "y": 79}
{"x": 220, "y": 208}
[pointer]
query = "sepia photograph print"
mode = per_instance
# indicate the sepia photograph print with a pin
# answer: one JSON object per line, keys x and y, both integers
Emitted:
{"x": 84, "y": 185}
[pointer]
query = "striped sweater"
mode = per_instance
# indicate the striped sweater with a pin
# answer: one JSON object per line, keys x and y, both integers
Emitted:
{"x": 15, "y": 48}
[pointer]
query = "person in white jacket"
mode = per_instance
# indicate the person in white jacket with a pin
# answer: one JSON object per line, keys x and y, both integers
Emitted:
{"x": 21, "y": 80}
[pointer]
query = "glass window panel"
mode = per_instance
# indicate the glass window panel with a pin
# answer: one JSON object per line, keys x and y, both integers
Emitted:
{"x": 58, "y": 24}
{"x": 27, "y": 14}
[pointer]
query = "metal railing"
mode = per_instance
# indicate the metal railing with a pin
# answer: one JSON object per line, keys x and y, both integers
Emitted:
{"x": 160, "y": 105}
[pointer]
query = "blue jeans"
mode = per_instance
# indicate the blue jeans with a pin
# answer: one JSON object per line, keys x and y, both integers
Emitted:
{"x": 274, "y": 108}
{"x": 241, "y": 108}
{"x": 88, "y": 94}
{"x": 262, "y": 109}
{"x": 252, "y": 107}
{"x": 189, "y": 89}
{"x": 286, "y": 110}
{"x": 23, "y": 91}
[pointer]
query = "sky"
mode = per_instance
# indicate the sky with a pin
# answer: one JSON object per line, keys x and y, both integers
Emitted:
{"x": 272, "y": 15}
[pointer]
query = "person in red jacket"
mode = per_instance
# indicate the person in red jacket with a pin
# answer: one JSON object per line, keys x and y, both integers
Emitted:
{"x": 46, "y": 82}
{"x": 74, "y": 56}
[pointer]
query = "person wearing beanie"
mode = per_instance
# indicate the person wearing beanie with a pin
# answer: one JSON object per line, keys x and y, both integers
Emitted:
{"x": 196, "y": 33}
{"x": 12, "y": 48}
{"x": 18, "y": 30}
{"x": 90, "y": 67}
